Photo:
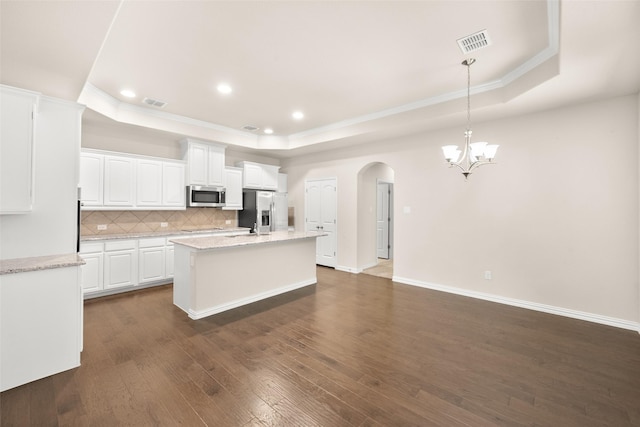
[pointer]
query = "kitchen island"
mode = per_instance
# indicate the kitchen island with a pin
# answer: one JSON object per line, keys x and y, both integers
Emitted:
{"x": 219, "y": 273}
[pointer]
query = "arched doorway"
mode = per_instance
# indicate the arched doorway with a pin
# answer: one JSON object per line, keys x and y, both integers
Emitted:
{"x": 375, "y": 219}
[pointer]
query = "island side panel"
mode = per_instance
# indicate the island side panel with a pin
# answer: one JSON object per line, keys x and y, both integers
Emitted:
{"x": 182, "y": 286}
{"x": 226, "y": 278}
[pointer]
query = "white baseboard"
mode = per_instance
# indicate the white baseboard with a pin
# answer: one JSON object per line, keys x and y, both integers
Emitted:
{"x": 560, "y": 311}
{"x": 348, "y": 269}
{"x": 199, "y": 314}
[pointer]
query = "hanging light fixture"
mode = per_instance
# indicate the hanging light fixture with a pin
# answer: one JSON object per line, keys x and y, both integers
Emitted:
{"x": 473, "y": 154}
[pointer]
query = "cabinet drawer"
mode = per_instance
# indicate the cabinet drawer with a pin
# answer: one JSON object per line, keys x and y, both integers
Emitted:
{"x": 119, "y": 245}
{"x": 91, "y": 247}
{"x": 151, "y": 243}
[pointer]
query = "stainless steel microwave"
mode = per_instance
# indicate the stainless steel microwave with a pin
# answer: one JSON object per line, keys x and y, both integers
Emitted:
{"x": 199, "y": 196}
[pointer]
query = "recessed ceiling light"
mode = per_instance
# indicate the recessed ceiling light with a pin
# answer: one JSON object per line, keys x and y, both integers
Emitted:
{"x": 128, "y": 93}
{"x": 268, "y": 131}
{"x": 298, "y": 115}
{"x": 224, "y": 88}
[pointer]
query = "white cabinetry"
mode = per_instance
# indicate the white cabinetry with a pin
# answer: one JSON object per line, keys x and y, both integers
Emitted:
{"x": 151, "y": 259}
{"x": 120, "y": 263}
{"x": 205, "y": 162}
{"x": 119, "y": 181}
{"x": 173, "y": 187}
{"x": 92, "y": 178}
{"x": 111, "y": 181}
{"x": 259, "y": 176}
{"x": 148, "y": 182}
{"x": 282, "y": 183}
{"x": 160, "y": 183}
{"x": 92, "y": 278}
{"x": 233, "y": 184}
{"x": 17, "y": 118}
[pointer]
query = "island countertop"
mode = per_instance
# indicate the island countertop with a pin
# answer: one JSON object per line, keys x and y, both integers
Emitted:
{"x": 215, "y": 242}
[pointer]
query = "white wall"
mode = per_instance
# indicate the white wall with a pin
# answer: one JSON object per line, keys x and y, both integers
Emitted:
{"x": 556, "y": 220}
{"x": 50, "y": 229}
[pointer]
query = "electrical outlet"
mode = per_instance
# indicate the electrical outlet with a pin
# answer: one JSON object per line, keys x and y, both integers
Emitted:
{"x": 487, "y": 275}
{"x": 164, "y": 224}
{"x": 102, "y": 227}
{"x": 228, "y": 222}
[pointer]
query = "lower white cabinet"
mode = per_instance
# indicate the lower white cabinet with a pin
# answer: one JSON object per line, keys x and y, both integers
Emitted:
{"x": 151, "y": 260}
{"x": 92, "y": 272}
{"x": 112, "y": 266}
{"x": 120, "y": 264}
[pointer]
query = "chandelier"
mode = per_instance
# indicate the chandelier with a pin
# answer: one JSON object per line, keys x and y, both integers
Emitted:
{"x": 473, "y": 154}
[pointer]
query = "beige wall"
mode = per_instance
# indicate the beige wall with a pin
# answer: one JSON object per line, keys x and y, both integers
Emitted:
{"x": 556, "y": 220}
{"x": 368, "y": 179}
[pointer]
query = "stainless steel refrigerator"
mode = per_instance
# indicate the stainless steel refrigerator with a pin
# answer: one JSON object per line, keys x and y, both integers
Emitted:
{"x": 264, "y": 211}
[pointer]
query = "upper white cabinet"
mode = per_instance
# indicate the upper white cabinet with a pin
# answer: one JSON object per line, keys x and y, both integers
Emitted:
{"x": 205, "y": 162}
{"x": 160, "y": 183}
{"x": 282, "y": 183}
{"x": 233, "y": 184}
{"x": 118, "y": 181}
{"x": 17, "y": 119}
{"x": 173, "y": 186}
{"x": 259, "y": 176}
{"x": 149, "y": 183}
{"x": 92, "y": 178}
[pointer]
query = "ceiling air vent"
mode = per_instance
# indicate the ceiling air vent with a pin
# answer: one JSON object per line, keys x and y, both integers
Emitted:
{"x": 154, "y": 102}
{"x": 474, "y": 42}
{"x": 250, "y": 128}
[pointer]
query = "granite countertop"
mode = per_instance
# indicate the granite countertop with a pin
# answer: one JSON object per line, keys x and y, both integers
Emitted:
{"x": 22, "y": 265}
{"x": 215, "y": 242}
{"x": 193, "y": 232}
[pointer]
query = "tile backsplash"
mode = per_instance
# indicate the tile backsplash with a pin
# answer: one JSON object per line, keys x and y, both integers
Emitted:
{"x": 119, "y": 222}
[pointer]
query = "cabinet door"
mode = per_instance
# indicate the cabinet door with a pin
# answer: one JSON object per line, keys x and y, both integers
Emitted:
{"x": 269, "y": 177}
{"x": 234, "y": 189}
{"x": 216, "y": 166}
{"x": 149, "y": 185}
{"x": 148, "y": 182}
{"x": 252, "y": 176}
{"x": 282, "y": 183}
{"x": 91, "y": 178}
{"x": 16, "y": 150}
{"x": 92, "y": 272}
{"x": 151, "y": 264}
{"x": 198, "y": 164}
{"x": 120, "y": 268}
{"x": 119, "y": 185}
{"x": 173, "y": 187}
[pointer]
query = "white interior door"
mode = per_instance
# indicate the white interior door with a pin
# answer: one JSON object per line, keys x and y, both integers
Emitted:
{"x": 321, "y": 215}
{"x": 383, "y": 219}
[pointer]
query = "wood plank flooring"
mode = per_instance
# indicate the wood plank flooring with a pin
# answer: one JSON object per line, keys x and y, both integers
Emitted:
{"x": 353, "y": 350}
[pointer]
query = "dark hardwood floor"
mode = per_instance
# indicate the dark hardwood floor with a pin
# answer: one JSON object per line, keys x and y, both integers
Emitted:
{"x": 353, "y": 350}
